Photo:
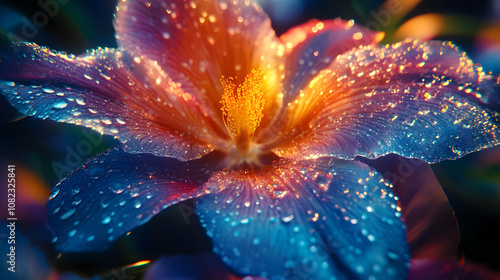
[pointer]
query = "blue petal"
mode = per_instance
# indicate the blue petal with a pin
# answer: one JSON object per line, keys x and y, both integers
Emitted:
{"x": 110, "y": 92}
{"x": 116, "y": 192}
{"x": 318, "y": 219}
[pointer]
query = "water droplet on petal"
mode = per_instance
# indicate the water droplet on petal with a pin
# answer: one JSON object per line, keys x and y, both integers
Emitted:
{"x": 68, "y": 214}
{"x": 80, "y": 101}
{"x": 55, "y": 192}
{"x": 223, "y": 5}
{"x": 106, "y": 220}
{"x": 120, "y": 121}
{"x": 77, "y": 200}
{"x": 134, "y": 192}
{"x": 287, "y": 219}
{"x": 122, "y": 202}
{"x": 117, "y": 188}
{"x": 72, "y": 233}
{"x": 60, "y": 104}
{"x": 392, "y": 255}
{"x": 137, "y": 204}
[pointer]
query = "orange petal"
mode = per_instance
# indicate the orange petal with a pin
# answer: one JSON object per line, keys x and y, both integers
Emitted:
{"x": 198, "y": 42}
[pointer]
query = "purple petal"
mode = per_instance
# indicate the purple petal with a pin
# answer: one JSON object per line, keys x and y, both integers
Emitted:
{"x": 109, "y": 92}
{"x": 117, "y": 192}
{"x": 432, "y": 230}
{"x": 418, "y": 100}
{"x": 198, "y": 42}
{"x": 317, "y": 219}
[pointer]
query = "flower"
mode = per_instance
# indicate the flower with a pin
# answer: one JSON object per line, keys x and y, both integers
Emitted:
{"x": 208, "y": 103}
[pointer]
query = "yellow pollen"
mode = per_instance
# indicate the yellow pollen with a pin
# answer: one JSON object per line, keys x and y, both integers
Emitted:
{"x": 242, "y": 107}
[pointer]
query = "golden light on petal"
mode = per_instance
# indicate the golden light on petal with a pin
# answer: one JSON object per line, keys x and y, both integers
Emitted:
{"x": 242, "y": 107}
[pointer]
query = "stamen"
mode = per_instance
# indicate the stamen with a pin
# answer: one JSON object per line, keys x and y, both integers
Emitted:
{"x": 242, "y": 108}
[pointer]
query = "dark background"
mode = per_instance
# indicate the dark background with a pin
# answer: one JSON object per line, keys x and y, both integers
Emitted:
{"x": 471, "y": 183}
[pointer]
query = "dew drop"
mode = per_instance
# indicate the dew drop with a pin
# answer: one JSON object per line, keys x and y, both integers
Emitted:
{"x": 223, "y": 5}
{"x": 278, "y": 193}
{"x": 134, "y": 192}
{"x": 287, "y": 219}
{"x": 117, "y": 188}
{"x": 80, "y": 101}
{"x": 77, "y": 201}
{"x": 72, "y": 233}
{"x": 137, "y": 204}
{"x": 392, "y": 255}
{"x": 55, "y": 192}
{"x": 68, "y": 214}
{"x": 106, "y": 220}
{"x": 90, "y": 238}
{"x": 106, "y": 121}
{"x": 60, "y": 104}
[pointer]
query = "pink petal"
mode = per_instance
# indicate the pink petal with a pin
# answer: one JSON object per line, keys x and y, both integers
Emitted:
{"x": 112, "y": 93}
{"x": 198, "y": 42}
{"x": 419, "y": 100}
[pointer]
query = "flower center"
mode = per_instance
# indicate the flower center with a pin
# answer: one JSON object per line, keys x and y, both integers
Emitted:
{"x": 242, "y": 108}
